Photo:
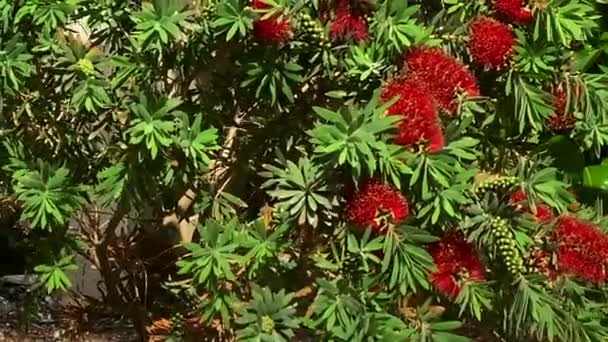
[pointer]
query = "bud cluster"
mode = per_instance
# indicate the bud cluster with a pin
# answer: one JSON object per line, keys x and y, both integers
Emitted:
{"x": 494, "y": 184}
{"x": 267, "y": 324}
{"x": 312, "y": 31}
{"x": 86, "y": 66}
{"x": 507, "y": 248}
{"x": 177, "y": 325}
{"x": 208, "y": 9}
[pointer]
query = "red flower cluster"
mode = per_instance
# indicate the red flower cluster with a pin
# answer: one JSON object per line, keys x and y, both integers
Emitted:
{"x": 276, "y": 29}
{"x": 376, "y": 204}
{"x": 490, "y": 43}
{"x": 582, "y": 249}
{"x": 513, "y": 10}
{"x": 433, "y": 79}
{"x": 346, "y": 24}
{"x": 456, "y": 261}
{"x": 517, "y": 197}
{"x": 442, "y": 74}
{"x": 560, "y": 120}
{"x": 416, "y": 106}
{"x": 258, "y": 4}
{"x": 543, "y": 213}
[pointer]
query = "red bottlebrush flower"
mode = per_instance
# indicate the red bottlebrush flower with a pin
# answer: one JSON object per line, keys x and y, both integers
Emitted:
{"x": 513, "y": 10}
{"x": 490, "y": 43}
{"x": 456, "y": 261}
{"x": 560, "y": 120}
{"x": 436, "y": 142}
{"x": 570, "y": 260}
{"x": 442, "y": 74}
{"x": 376, "y": 204}
{"x": 559, "y": 100}
{"x": 523, "y": 16}
{"x": 558, "y": 123}
{"x": 416, "y": 106}
{"x": 583, "y": 249}
{"x": 517, "y": 197}
{"x": 258, "y": 4}
{"x": 271, "y": 30}
{"x": 543, "y": 213}
{"x": 346, "y": 24}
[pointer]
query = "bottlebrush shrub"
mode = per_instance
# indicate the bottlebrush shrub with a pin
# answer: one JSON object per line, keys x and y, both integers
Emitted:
{"x": 542, "y": 213}
{"x": 336, "y": 170}
{"x": 457, "y": 263}
{"x": 346, "y": 24}
{"x": 513, "y": 10}
{"x": 490, "y": 43}
{"x": 582, "y": 249}
{"x": 444, "y": 76}
{"x": 276, "y": 28}
{"x": 562, "y": 118}
{"x": 272, "y": 30}
{"x": 376, "y": 205}
{"x": 418, "y": 112}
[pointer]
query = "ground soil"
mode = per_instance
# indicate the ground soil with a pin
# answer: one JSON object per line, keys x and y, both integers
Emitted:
{"x": 27, "y": 315}
{"x": 50, "y": 333}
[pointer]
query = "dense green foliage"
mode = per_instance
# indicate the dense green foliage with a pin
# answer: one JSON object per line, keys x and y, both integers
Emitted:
{"x": 187, "y": 158}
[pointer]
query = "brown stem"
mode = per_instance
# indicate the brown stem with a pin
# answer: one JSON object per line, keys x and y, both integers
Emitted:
{"x": 218, "y": 174}
{"x": 176, "y": 219}
{"x": 101, "y": 250}
{"x": 304, "y": 292}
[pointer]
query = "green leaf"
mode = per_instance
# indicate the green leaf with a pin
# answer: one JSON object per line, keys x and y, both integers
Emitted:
{"x": 54, "y": 277}
{"x": 267, "y": 316}
{"x": 299, "y": 189}
{"x": 336, "y": 94}
{"x": 48, "y": 196}
{"x": 596, "y": 176}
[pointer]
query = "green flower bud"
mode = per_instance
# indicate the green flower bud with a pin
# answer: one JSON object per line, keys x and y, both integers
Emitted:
{"x": 267, "y": 325}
